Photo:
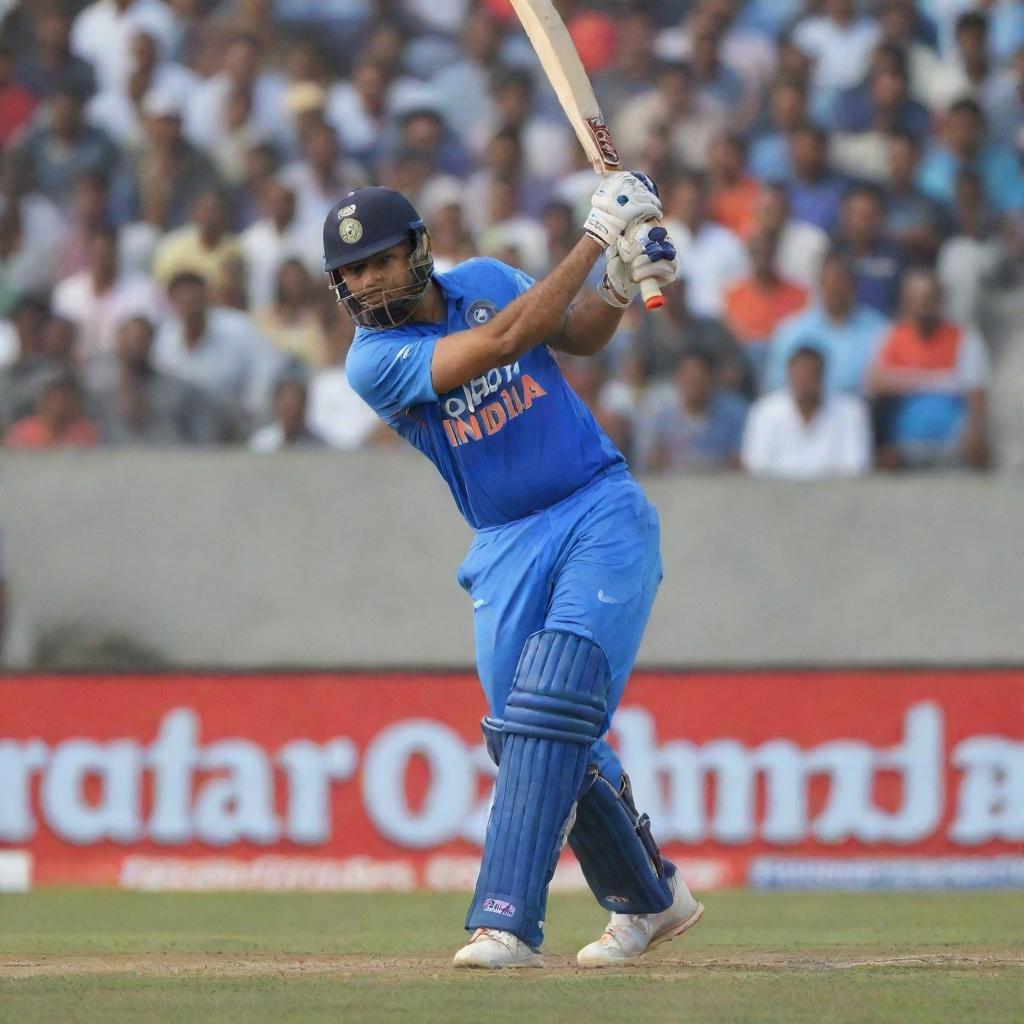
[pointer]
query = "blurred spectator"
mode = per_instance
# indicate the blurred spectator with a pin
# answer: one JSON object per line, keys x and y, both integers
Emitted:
{"x": 800, "y": 247}
{"x": 547, "y": 144}
{"x": 291, "y": 322}
{"x": 462, "y": 85}
{"x": 321, "y": 177}
{"x": 711, "y": 257}
{"x": 839, "y": 41}
{"x": 904, "y": 27}
{"x": 860, "y": 147}
{"x": 717, "y": 85}
{"x": 700, "y": 428}
{"x": 629, "y": 73}
{"x": 243, "y": 93}
{"x": 659, "y": 343}
{"x": 61, "y": 146}
{"x": 201, "y": 246}
{"x": 59, "y": 420}
{"x": 336, "y": 412}
{"x": 270, "y": 241}
{"x": 21, "y": 377}
{"x": 847, "y": 332}
{"x": 3, "y": 594}
{"x": 17, "y": 104}
{"x": 733, "y": 193}
{"x": 218, "y": 350}
{"x": 970, "y": 72}
{"x": 48, "y": 64}
{"x": 769, "y": 155}
{"x": 973, "y": 255}
{"x": 289, "y": 429}
{"x": 356, "y": 109}
{"x": 913, "y": 220}
{"x": 931, "y": 376}
{"x": 877, "y": 260}
{"x": 756, "y": 305}
{"x": 883, "y": 102}
{"x": 120, "y": 111}
{"x": 138, "y": 404}
{"x": 815, "y": 192}
{"x": 167, "y": 157}
{"x": 102, "y": 34}
{"x": 98, "y": 298}
{"x": 963, "y": 145}
{"x": 801, "y": 433}
{"x": 1006, "y": 105}
{"x": 88, "y": 215}
{"x": 31, "y": 233}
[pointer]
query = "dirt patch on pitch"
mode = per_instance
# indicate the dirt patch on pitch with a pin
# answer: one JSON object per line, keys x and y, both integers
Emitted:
{"x": 348, "y": 966}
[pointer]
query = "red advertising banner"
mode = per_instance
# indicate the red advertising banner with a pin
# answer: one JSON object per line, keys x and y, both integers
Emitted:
{"x": 372, "y": 782}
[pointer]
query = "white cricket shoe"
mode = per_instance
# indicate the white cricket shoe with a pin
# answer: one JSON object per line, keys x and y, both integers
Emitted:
{"x": 494, "y": 949}
{"x": 629, "y": 936}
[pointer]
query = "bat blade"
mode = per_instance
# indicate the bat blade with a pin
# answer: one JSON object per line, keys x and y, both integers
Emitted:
{"x": 564, "y": 69}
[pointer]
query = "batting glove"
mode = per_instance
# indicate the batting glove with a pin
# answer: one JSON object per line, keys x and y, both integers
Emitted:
{"x": 643, "y": 252}
{"x": 621, "y": 197}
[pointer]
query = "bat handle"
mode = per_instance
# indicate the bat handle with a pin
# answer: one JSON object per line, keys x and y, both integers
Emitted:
{"x": 651, "y": 293}
{"x": 649, "y": 290}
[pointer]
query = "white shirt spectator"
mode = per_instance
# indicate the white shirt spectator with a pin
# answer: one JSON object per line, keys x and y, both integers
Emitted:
{"x": 840, "y": 52}
{"x": 268, "y": 119}
{"x": 779, "y": 442}
{"x": 114, "y": 112}
{"x": 337, "y": 413}
{"x": 265, "y": 249}
{"x": 312, "y": 201}
{"x": 232, "y": 362}
{"x": 801, "y": 251}
{"x": 30, "y": 268}
{"x": 102, "y": 34}
{"x": 714, "y": 258}
{"x": 98, "y": 316}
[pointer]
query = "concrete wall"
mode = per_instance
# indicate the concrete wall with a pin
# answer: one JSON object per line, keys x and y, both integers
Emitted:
{"x": 227, "y": 559}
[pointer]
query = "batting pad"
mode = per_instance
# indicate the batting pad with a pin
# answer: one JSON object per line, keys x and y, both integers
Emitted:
{"x": 553, "y": 715}
{"x": 618, "y": 854}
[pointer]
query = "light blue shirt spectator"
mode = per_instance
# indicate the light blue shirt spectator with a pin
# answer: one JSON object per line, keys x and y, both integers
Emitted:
{"x": 848, "y": 345}
{"x": 997, "y": 166}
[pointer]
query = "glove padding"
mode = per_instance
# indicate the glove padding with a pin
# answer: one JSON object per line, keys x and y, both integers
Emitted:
{"x": 642, "y": 253}
{"x": 620, "y": 199}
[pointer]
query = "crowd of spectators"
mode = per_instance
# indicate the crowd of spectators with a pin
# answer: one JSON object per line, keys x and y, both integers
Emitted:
{"x": 843, "y": 180}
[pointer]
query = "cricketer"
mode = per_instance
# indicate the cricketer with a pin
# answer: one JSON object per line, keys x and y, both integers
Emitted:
{"x": 565, "y": 562}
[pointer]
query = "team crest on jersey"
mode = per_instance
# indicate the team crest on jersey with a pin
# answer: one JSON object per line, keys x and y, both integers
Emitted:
{"x": 350, "y": 230}
{"x": 480, "y": 312}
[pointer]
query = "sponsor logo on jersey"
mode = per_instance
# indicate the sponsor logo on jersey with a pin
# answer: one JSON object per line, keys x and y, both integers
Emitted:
{"x": 479, "y": 312}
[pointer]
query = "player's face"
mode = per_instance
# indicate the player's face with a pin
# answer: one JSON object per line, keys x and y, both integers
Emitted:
{"x": 369, "y": 279}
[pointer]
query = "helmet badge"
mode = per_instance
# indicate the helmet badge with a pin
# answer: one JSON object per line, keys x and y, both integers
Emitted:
{"x": 350, "y": 230}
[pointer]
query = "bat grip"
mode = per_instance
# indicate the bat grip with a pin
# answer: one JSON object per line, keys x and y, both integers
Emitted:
{"x": 651, "y": 293}
{"x": 649, "y": 290}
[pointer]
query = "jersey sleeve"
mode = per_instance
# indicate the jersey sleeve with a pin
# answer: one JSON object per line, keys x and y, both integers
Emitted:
{"x": 392, "y": 375}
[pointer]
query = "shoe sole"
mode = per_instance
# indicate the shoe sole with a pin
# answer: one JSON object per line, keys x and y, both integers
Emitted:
{"x": 673, "y": 933}
{"x": 524, "y": 965}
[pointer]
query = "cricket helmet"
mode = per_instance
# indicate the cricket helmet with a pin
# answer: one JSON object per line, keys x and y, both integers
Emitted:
{"x": 365, "y": 222}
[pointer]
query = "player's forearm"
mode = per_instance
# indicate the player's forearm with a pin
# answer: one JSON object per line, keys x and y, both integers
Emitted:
{"x": 540, "y": 312}
{"x": 591, "y": 325}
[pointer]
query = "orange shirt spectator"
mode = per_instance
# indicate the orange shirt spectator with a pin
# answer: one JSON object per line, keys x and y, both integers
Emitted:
{"x": 734, "y": 194}
{"x": 59, "y": 421}
{"x": 756, "y": 305}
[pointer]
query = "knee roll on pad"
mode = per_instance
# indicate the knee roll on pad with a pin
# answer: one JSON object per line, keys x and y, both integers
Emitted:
{"x": 617, "y": 852}
{"x": 552, "y": 717}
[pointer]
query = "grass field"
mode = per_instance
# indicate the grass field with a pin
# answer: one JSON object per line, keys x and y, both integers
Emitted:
{"x": 90, "y": 956}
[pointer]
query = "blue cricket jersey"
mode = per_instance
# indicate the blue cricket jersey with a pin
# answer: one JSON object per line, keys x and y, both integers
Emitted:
{"x": 509, "y": 443}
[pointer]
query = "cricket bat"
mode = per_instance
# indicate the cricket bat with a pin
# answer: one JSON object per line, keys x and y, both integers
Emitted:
{"x": 564, "y": 69}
